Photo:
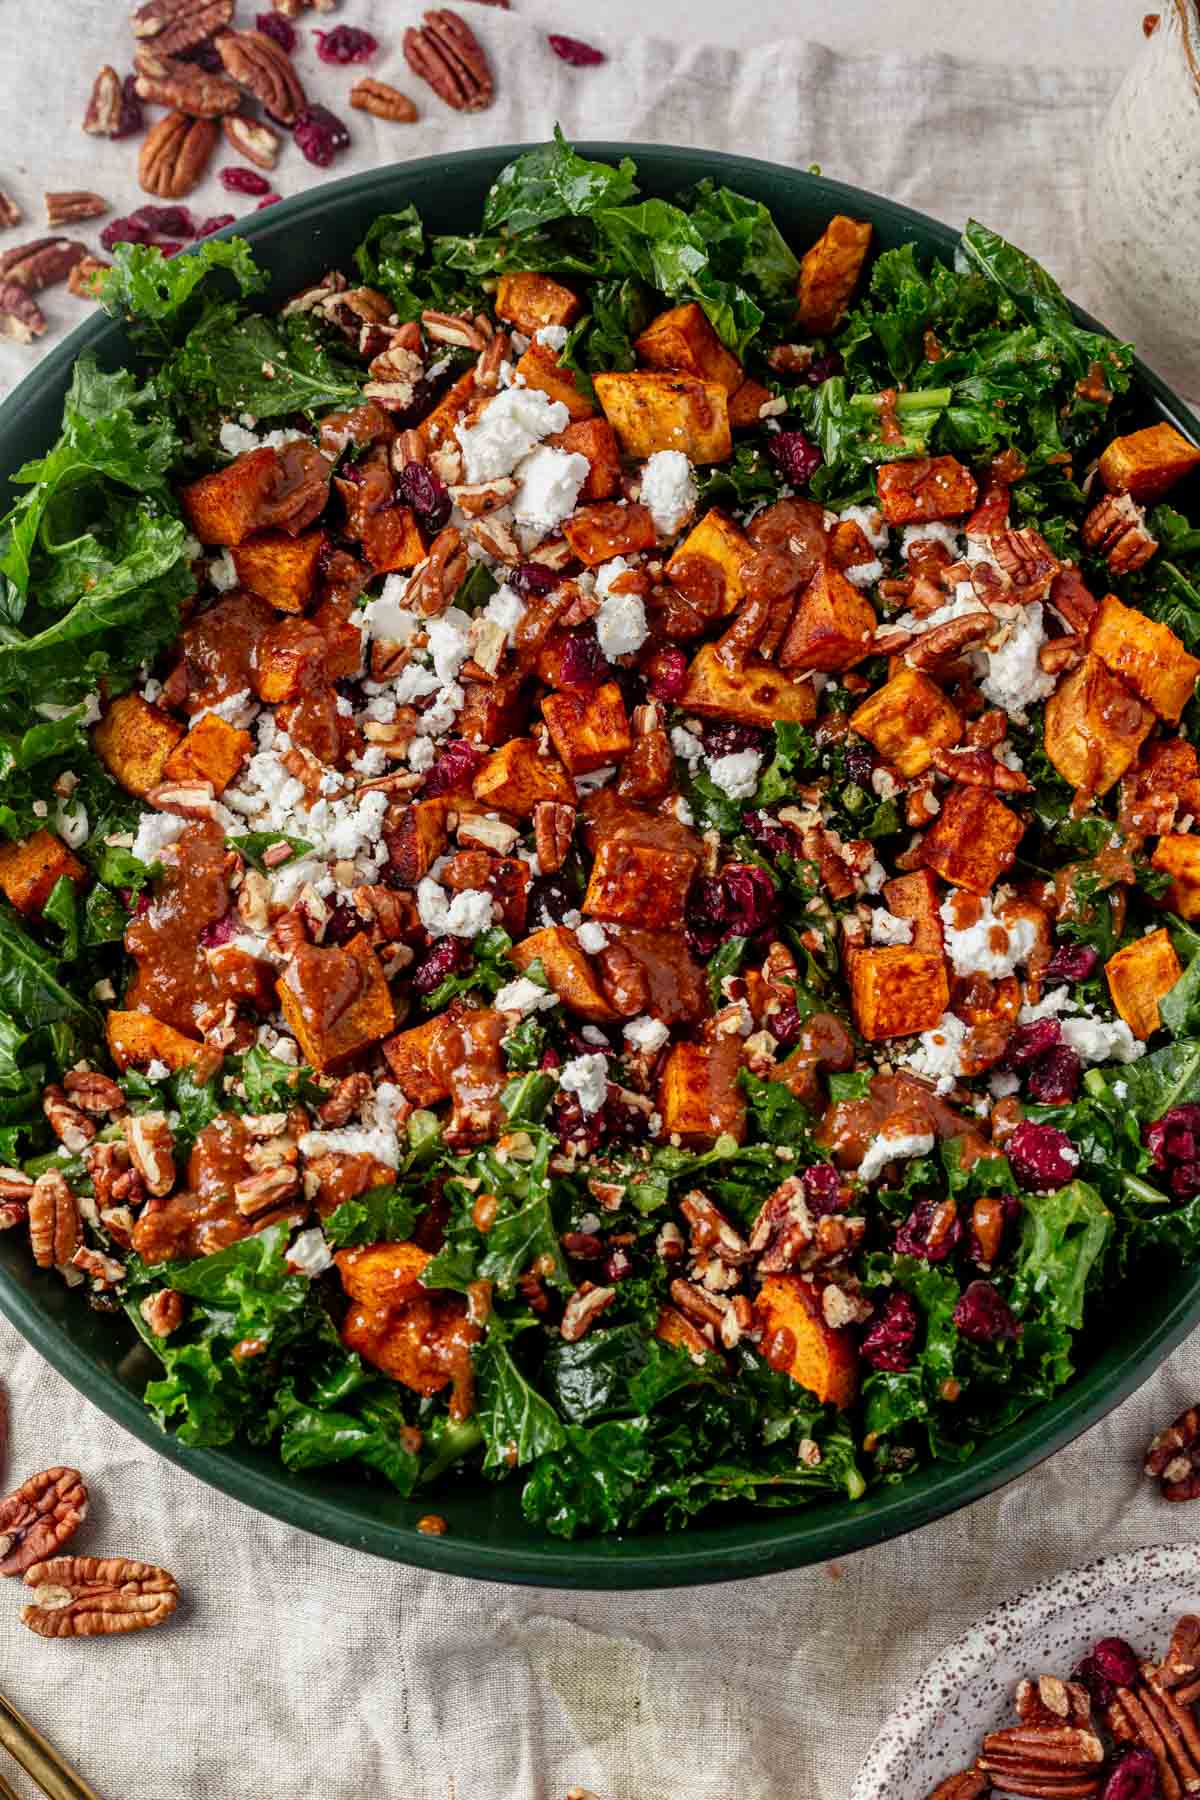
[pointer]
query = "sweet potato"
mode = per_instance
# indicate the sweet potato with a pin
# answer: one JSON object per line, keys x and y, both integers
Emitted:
{"x": 796, "y": 1339}
{"x": 907, "y": 720}
{"x": 698, "y": 1093}
{"x": 650, "y": 411}
{"x": 829, "y": 270}
{"x": 134, "y": 740}
{"x": 417, "y": 840}
{"x": 595, "y": 439}
{"x": 926, "y": 487}
{"x": 915, "y": 897}
{"x": 567, "y": 970}
{"x": 746, "y": 404}
{"x": 136, "y": 1039}
{"x": 1094, "y": 727}
{"x": 610, "y": 528}
{"x": 541, "y": 368}
{"x": 391, "y": 539}
{"x": 439, "y": 426}
{"x": 531, "y": 301}
{"x": 588, "y": 730}
{"x": 494, "y": 711}
{"x": 1139, "y": 976}
{"x": 896, "y": 991}
{"x": 716, "y": 537}
{"x": 383, "y": 1275}
{"x": 683, "y": 339}
{"x": 1148, "y": 463}
{"x": 1148, "y": 656}
{"x": 288, "y": 659}
{"x": 212, "y": 751}
{"x": 832, "y": 626}
{"x": 638, "y": 885}
{"x": 1178, "y": 855}
{"x": 758, "y": 694}
{"x": 30, "y": 870}
{"x": 304, "y": 988}
{"x": 425, "y": 1058}
{"x": 418, "y": 1336}
{"x": 222, "y": 508}
{"x": 343, "y": 641}
{"x": 280, "y": 569}
{"x": 973, "y": 841}
{"x": 515, "y": 777}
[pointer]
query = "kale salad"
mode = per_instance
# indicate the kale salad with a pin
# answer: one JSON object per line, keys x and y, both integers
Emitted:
{"x": 599, "y": 850}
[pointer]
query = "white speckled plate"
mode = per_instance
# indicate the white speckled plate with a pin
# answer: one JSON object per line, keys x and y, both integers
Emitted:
{"x": 937, "y": 1727}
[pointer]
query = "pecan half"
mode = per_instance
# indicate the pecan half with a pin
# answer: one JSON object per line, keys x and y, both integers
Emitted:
{"x": 270, "y": 1188}
{"x": 1116, "y": 528}
{"x": 103, "y": 115}
{"x": 979, "y": 768}
{"x": 1040, "y": 1760}
{"x": 70, "y": 1126}
{"x": 1155, "y": 1717}
{"x": 265, "y": 70}
{"x": 162, "y": 1311}
{"x": 553, "y": 829}
{"x": 1028, "y": 561}
{"x": 40, "y": 1517}
{"x": 21, "y": 318}
{"x": 175, "y": 155}
{"x": 583, "y": 1308}
{"x": 42, "y": 263}
{"x": 382, "y": 101}
{"x": 92, "y": 1596}
{"x": 166, "y": 81}
{"x": 935, "y": 649}
{"x": 177, "y": 25}
{"x": 76, "y": 203}
{"x": 250, "y": 138}
{"x": 151, "y": 1144}
{"x": 969, "y": 1785}
{"x": 94, "y": 1092}
{"x": 711, "y": 1230}
{"x": 53, "y": 1221}
{"x": 447, "y": 55}
{"x": 1174, "y": 1457}
{"x": 435, "y": 582}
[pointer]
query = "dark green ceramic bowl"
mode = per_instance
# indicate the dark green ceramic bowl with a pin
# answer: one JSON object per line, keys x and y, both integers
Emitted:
{"x": 487, "y": 1536}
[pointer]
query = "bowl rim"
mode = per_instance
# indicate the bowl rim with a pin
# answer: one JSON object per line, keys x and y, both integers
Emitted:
{"x": 707, "y": 1553}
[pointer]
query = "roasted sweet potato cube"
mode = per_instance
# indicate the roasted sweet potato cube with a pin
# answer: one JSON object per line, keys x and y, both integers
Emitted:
{"x": 134, "y": 740}
{"x": 973, "y": 841}
{"x": 1094, "y": 727}
{"x": 915, "y": 897}
{"x": 439, "y": 426}
{"x": 797, "y": 1341}
{"x": 907, "y": 719}
{"x": 409, "y": 1057}
{"x": 383, "y": 1275}
{"x": 343, "y": 641}
{"x": 1163, "y": 786}
{"x": 349, "y": 973}
{"x": 595, "y": 439}
{"x": 829, "y": 270}
{"x": 423, "y": 1344}
{"x": 682, "y": 338}
{"x": 288, "y": 659}
{"x": 638, "y": 885}
{"x": 896, "y": 991}
{"x": 926, "y": 487}
{"x": 494, "y": 711}
{"x": 223, "y": 508}
{"x": 212, "y": 751}
{"x": 541, "y": 368}
{"x": 136, "y": 1039}
{"x": 1178, "y": 854}
{"x": 530, "y": 301}
{"x": 567, "y": 970}
{"x": 832, "y": 626}
{"x": 1147, "y": 463}
{"x": 1148, "y": 656}
{"x": 589, "y": 730}
{"x": 279, "y": 568}
{"x": 1139, "y": 976}
{"x": 391, "y": 539}
{"x": 746, "y": 404}
{"x": 759, "y": 694}
{"x": 515, "y": 777}
{"x": 698, "y": 1093}
{"x": 650, "y": 412}
{"x": 29, "y": 870}
{"x": 416, "y": 840}
{"x": 610, "y": 528}
{"x": 716, "y": 537}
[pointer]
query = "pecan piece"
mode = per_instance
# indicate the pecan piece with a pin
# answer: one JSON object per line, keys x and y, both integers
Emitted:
{"x": 175, "y": 155}
{"x": 553, "y": 829}
{"x": 435, "y": 582}
{"x": 65, "y": 207}
{"x": 1041, "y": 1760}
{"x": 266, "y": 71}
{"x": 21, "y": 318}
{"x": 105, "y": 106}
{"x": 447, "y": 55}
{"x": 166, "y": 81}
{"x": 94, "y": 1092}
{"x": 71, "y": 1127}
{"x": 1116, "y": 528}
{"x": 92, "y": 1596}
{"x": 178, "y": 25}
{"x": 345, "y": 1101}
{"x": 583, "y": 1308}
{"x": 105, "y": 1271}
{"x": 270, "y": 1188}
{"x": 711, "y": 1230}
{"x": 250, "y": 138}
{"x": 934, "y": 649}
{"x": 86, "y": 277}
{"x": 1028, "y": 561}
{"x": 979, "y": 768}
{"x": 42, "y": 263}
{"x": 382, "y": 101}
{"x": 1174, "y": 1457}
{"x": 1154, "y": 1716}
{"x": 151, "y": 1143}
{"x": 40, "y": 1517}
{"x": 969, "y": 1785}
{"x": 162, "y": 1311}
{"x": 10, "y": 212}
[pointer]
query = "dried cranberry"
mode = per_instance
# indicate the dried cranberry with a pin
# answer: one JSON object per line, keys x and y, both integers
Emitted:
{"x": 320, "y": 134}
{"x": 345, "y": 44}
{"x": 1134, "y": 1776}
{"x": 165, "y": 221}
{"x": 573, "y": 51}
{"x": 169, "y": 247}
{"x": 245, "y": 181}
{"x": 1041, "y": 1156}
{"x": 785, "y": 1023}
{"x": 823, "y": 1190}
{"x": 983, "y": 1315}
{"x": 627, "y": 1124}
{"x": 666, "y": 674}
{"x": 770, "y": 835}
{"x": 131, "y": 118}
{"x": 795, "y": 456}
{"x": 1029, "y": 1042}
{"x": 534, "y": 580}
{"x": 217, "y": 223}
{"x": 1072, "y": 962}
{"x": 888, "y": 1344}
{"x": 429, "y": 498}
{"x": 617, "y": 1264}
{"x": 752, "y": 901}
{"x": 822, "y": 367}
{"x": 724, "y": 739}
{"x": 221, "y": 930}
{"x": 583, "y": 663}
{"x": 1111, "y": 1663}
{"x": 342, "y": 924}
{"x": 271, "y": 199}
{"x": 454, "y": 768}
{"x": 549, "y": 899}
{"x": 274, "y": 25}
{"x": 447, "y": 956}
{"x": 859, "y": 763}
{"x": 124, "y": 231}
{"x": 1174, "y": 1137}
{"x": 914, "y": 1236}
{"x": 1054, "y": 1078}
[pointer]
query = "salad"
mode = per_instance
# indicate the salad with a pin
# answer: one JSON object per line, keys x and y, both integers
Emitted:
{"x": 600, "y": 858}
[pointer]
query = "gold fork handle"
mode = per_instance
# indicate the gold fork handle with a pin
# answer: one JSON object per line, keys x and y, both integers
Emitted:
{"x": 39, "y": 1759}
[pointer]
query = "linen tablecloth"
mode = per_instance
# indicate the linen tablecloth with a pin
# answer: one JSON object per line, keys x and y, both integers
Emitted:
{"x": 296, "y": 1668}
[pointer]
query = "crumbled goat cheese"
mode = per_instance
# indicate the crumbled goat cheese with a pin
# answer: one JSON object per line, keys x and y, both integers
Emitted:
{"x": 890, "y": 928}
{"x": 608, "y": 573}
{"x": 736, "y": 774}
{"x": 550, "y": 481}
{"x": 437, "y": 719}
{"x": 414, "y": 682}
{"x": 686, "y": 744}
{"x": 71, "y": 822}
{"x": 591, "y": 936}
{"x": 469, "y": 913}
{"x": 507, "y": 430}
{"x": 380, "y": 1141}
{"x": 645, "y": 1033}
{"x": 884, "y": 1149}
{"x": 1015, "y": 679}
{"x": 587, "y": 1078}
{"x": 870, "y": 522}
{"x": 864, "y": 575}
{"x": 1102, "y": 1040}
{"x": 1001, "y": 1085}
{"x": 387, "y": 616}
{"x": 874, "y": 876}
{"x": 449, "y": 642}
{"x": 505, "y": 609}
{"x": 946, "y": 535}
{"x": 668, "y": 490}
{"x": 239, "y": 709}
{"x": 680, "y": 810}
{"x": 236, "y": 439}
{"x": 1058, "y": 1000}
{"x": 155, "y": 831}
{"x": 992, "y": 946}
{"x": 524, "y": 996}
{"x": 937, "y": 1053}
{"x": 553, "y": 336}
{"x": 421, "y": 755}
{"x": 222, "y": 572}
{"x": 592, "y": 1034}
{"x": 621, "y": 624}
{"x": 309, "y": 1254}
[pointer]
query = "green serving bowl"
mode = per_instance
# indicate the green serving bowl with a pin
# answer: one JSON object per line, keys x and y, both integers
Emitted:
{"x": 487, "y": 1535}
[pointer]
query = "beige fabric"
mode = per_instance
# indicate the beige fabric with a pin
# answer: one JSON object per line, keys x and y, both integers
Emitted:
{"x": 299, "y": 1669}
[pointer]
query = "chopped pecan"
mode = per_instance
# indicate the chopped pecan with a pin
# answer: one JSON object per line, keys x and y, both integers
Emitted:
{"x": 42, "y": 263}
{"x": 1153, "y": 1715}
{"x": 711, "y": 1230}
{"x": 979, "y": 768}
{"x": 175, "y": 155}
{"x": 971, "y": 1784}
{"x": 15, "y": 1186}
{"x": 270, "y": 1188}
{"x": 1072, "y": 601}
{"x": 162, "y": 1311}
{"x": 447, "y": 55}
{"x": 104, "y": 108}
{"x": 1116, "y": 528}
{"x": 178, "y": 25}
{"x": 583, "y": 1308}
{"x": 1044, "y": 1760}
{"x": 1066, "y": 652}
{"x": 937, "y": 648}
{"x": 94, "y": 1092}
{"x": 105, "y": 1271}
{"x": 382, "y": 101}
{"x": 1027, "y": 560}
{"x": 435, "y": 582}
{"x": 345, "y": 1101}
{"x": 64, "y": 207}
{"x": 40, "y": 1517}
{"x": 184, "y": 86}
{"x": 21, "y": 318}
{"x": 695, "y": 1304}
{"x": 151, "y": 1144}
{"x": 553, "y": 830}
{"x": 1050, "y": 1700}
{"x": 1174, "y": 1457}
{"x": 458, "y": 330}
{"x": 250, "y": 138}
{"x": 91, "y": 1596}
{"x": 70, "y": 1126}
{"x": 266, "y": 71}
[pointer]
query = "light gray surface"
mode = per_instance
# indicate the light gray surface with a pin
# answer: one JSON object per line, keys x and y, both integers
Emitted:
{"x": 298, "y": 1669}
